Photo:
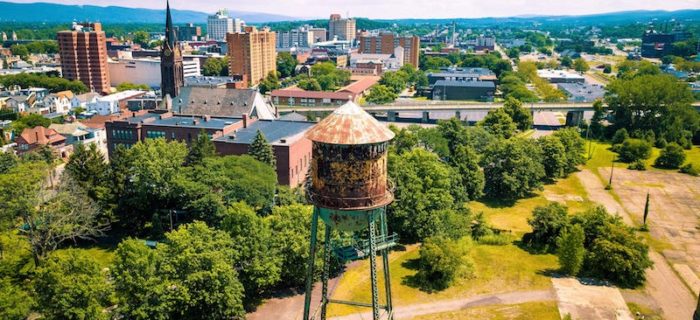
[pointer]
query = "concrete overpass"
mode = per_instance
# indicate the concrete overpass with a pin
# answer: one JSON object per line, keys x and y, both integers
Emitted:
{"x": 392, "y": 112}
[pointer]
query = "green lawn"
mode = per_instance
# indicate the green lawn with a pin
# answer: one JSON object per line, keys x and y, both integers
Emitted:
{"x": 498, "y": 269}
{"x": 523, "y": 311}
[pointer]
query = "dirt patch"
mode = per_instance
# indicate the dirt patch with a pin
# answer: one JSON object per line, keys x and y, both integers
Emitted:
{"x": 586, "y": 302}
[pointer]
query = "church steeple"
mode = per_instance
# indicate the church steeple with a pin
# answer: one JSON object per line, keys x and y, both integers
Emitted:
{"x": 171, "y": 70}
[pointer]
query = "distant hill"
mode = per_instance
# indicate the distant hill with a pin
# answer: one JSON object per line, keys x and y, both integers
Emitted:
{"x": 59, "y": 13}
{"x": 593, "y": 19}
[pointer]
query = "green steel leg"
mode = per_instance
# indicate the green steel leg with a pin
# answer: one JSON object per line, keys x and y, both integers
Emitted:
{"x": 310, "y": 265}
{"x": 373, "y": 266}
{"x": 326, "y": 267}
{"x": 385, "y": 257}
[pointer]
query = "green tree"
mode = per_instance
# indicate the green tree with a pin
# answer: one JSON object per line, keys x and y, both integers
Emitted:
{"x": 8, "y": 160}
{"x": 566, "y": 61}
{"x": 30, "y": 121}
{"x": 189, "y": 276}
{"x": 70, "y": 285}
{"x": 633, "y": 149}
{"x": 329, "y": 77}
{"x": 381, "y": 94}
{"x": 499, "y": 123}
{"x": 124, "y": 86}
{"x": 87, "y": 167}
{"x": 466, "y": 161}
{"x": 581, "y": 65}
{"x": 597, "y": 130}
{"x": 620, "y": 256}
{"x": 571, "y": 251}
{"x": 396, "y": 81}
{"x": 521, "y": 117}
{"x": 658, "y": 103}
{"x": 257, "y": 257}
{"x": 20, "y": 50}
{"x": 443, "y": 261}
{"x": 261, "y": 150}
{"x": 426, "y": 190}
{"x": 202, "y": 147}
{"x": 215, "y": 67}
{"x": 404, "y": 140}
{"x": 271, "y": 82}
{"x": 309, "y": 85}
{"x": 672, "y": 157}
{"x": 547, "y": 224}
{"x": 286, "y": 64}
{"x": 15, "y": 303}
{"x": 553, "y": 156}
{"x": 574, "y": 148}
{"x": 142, "y": 38}
{"x": 513, "y": 168}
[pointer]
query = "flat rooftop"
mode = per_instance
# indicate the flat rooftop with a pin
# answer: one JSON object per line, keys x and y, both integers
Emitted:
{"x": 274, "y": 131}
{"x": 155, "y": 119}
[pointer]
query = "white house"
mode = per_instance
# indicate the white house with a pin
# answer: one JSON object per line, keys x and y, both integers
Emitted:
{"x": 20, "y": 103}
{"x": 113, "y": 103}
{"x": 61, "y": 102}
{"x": 85, "y": 98}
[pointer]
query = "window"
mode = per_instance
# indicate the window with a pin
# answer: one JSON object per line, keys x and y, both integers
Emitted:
{"x": 155, "y": 134}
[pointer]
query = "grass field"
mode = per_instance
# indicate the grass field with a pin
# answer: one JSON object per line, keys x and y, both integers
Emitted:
{"x": 497, "y": 269}
{"x": 523, "y": 311}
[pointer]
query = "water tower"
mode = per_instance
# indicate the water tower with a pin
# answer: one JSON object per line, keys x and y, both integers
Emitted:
{"x": 350, "y": 191}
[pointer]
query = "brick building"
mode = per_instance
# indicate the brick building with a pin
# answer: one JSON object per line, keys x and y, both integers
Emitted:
{"x": 386, "y": 42}
{"x": 343, "y": 29}
{"x": 83, "y": 53}
{"x": 252, "y": 54}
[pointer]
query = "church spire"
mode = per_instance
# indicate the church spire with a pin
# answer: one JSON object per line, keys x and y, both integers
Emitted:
{"x": 169, "y": 31}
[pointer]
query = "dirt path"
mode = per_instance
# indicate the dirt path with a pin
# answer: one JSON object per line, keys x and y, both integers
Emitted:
{"x": 410, "y": 311}
{"x": 663, "y": 285}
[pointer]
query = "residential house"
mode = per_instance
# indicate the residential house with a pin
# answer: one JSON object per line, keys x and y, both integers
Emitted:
{"x": 113, "y": 103}
{"x": 33, "y": 138}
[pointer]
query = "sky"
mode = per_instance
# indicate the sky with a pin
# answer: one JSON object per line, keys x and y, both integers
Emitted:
{"x": 392, "y": 9}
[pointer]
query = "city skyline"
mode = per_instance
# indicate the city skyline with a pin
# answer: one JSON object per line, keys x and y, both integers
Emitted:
{"x": 401, "y": 9}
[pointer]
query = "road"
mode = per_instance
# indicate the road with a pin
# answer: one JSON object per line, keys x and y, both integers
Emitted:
{"x": 410, "y": 311}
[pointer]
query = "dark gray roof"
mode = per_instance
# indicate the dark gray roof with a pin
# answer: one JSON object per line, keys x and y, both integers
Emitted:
{"x": 469, "y": 84}
{"x": 274, "y": 130}
{"x": 582, "y": 92}
{"x": 185, "y": 121}
{"x": 207, "y": 81}
{"x": 214, "y": 101}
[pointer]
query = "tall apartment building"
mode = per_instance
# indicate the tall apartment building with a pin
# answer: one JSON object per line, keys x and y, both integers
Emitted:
{"x": 218, "y": 25}
{"x": 83, "y": 51}
{"x": 238, "y": 25}
{"x": 252, "y": 54}
{"x": 386, "y": 42}
{"x": 300, "y": 37}
{"x": 189, "y": 32}
{"x": 344, "y": 29}
{"x": 319, "y": 34}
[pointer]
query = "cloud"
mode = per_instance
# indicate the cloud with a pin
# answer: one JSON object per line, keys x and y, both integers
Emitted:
{"x": 389, "y": 9}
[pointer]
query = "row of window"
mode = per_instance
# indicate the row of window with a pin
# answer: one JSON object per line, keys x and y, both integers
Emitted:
{"x": 123, "y": 134}
{"x": 156, "y": 134}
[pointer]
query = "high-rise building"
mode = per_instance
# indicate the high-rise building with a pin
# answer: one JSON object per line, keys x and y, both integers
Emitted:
{"x": 171, "y": 69}
{"x": 252, "y": 54}
{"x": 300, "y": 37}
{"x": 344, "y": 29}
{"x": 218, "y": 25}
{"x": 238, "y": 25}
{"x": 83, "y": 53}
{"x": 386, "y": 42}
{"x": 319, "y": 34}
{"x": 189, "y": 32}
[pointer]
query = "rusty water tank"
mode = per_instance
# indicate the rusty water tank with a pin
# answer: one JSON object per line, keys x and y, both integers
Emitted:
{"x": 349, "y": 167}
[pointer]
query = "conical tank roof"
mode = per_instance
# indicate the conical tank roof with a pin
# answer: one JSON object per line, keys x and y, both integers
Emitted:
{"x": 349, "y": 124}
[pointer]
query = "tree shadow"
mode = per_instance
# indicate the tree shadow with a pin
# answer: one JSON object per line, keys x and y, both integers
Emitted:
{"x": 530, "y": 247}
{"x": 494, "y": 203}
{"x": 419, "y": 280}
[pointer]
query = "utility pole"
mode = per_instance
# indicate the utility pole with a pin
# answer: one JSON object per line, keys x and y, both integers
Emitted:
{"x": 612, "y": 168}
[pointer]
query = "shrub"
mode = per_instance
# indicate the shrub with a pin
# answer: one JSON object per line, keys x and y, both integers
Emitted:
{"x": 547, "y": 222}
{"x": 618, "y": 255}
{"x": 442, "y": 261}
{"x": 620, "y": 136}
{"x": 500, "y": 239}
{"x": 637, "y": 165}
{"x": 660, "y": 143}
{"x": 689, "y": 169}
{"x": 672, "y": 157}
{"x": 634, "y": 149}
{"x": 571, "y": 251}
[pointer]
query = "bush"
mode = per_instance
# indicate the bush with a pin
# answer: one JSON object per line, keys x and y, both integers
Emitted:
{"x": 637, "y": 165}
{"x": 633, "y": 149}
{"x": 672, "y": 157}
{"x": 660, "y": 143}
{"x": 500, "y": 239}
{"x": 620, "y": 136}
{"x": 547, "y": 223}
{"x": 443, "y": 261}
{"x": 571, "y": 251}
{"x": 618, "y": 255}
{"x": 689, "y": 169}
